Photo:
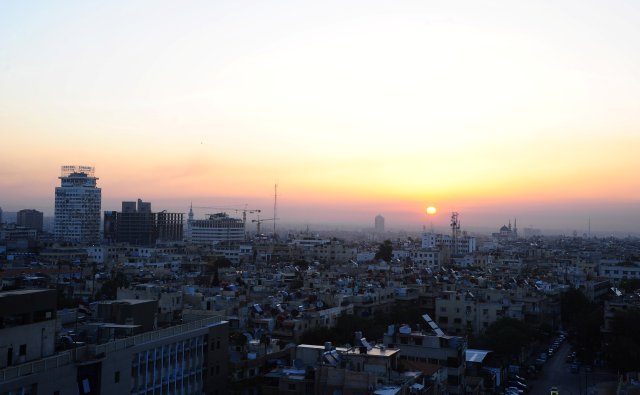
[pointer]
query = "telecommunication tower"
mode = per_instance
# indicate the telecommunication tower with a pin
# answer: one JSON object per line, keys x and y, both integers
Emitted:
{"x": 455, "y": 232}
{"x": 275, "y": 208}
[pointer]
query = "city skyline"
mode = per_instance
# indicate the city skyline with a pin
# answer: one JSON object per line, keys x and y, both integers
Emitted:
{"x": 494, "y": 110}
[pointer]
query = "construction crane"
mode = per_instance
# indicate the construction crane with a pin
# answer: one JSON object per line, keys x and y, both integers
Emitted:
{"x": 237, "y": 210}
{"x": 259, "y": 221}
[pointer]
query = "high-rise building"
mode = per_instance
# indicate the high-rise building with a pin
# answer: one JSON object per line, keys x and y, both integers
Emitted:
{"x": 0, "y": 215}
{"x": 137, "y": 224}
{"x": 77, "y": 206}
{"x": 30, "y": 219}
{"x": 379, "y": 224}
{"x": 215, "y": 229}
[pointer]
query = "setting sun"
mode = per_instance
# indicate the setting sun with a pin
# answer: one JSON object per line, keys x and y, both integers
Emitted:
{"x": 431, "y": 210}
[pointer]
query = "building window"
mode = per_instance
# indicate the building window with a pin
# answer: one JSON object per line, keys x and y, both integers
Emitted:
{"x": 23, "y": 350}
{"x": 116, "y": 377}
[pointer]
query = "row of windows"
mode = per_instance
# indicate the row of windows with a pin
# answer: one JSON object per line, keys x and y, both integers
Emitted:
{"x": 624, "y": 272}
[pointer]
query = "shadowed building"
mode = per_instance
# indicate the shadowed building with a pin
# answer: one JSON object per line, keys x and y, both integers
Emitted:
{"x": 379, "y": 224}
{"x": 137, "y": 224}
{"x": 30, "y": 219}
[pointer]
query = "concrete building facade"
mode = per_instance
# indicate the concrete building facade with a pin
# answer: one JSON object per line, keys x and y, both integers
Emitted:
{"x": 30, "y": 219}
{"x": 77, "y": 206}
{"x": 137, "y": 224}
{"x": 215, "y": 229}
{"x": 187, "y": 359}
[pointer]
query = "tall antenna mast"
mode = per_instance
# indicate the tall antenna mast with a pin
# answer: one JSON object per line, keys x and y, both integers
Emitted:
{"x": 275, "y": 207}
{"x": 589, "y": 226}
{"x": 455, "y": 232}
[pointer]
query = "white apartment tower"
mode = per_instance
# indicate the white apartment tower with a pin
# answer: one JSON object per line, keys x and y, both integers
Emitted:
{"x": 77, "y": 207}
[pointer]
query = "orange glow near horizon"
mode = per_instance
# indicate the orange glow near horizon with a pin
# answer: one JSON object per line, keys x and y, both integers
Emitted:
{"x": 217, "y": 103}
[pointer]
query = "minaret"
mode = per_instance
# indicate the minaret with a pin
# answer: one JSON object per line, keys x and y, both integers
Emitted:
{"x": 509, "y": 223}
{"x": 515, "y": 227}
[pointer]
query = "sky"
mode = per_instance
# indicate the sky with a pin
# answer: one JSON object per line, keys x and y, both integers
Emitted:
{"x": 493, "y": 109}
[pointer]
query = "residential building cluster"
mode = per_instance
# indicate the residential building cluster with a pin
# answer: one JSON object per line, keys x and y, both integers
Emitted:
{"x": 148, "y": 308}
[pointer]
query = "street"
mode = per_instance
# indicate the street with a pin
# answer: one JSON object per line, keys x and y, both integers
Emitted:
{"x": 557, "y": 373}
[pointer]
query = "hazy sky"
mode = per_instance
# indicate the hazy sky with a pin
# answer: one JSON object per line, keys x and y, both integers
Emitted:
{"x": 495, "y": 109}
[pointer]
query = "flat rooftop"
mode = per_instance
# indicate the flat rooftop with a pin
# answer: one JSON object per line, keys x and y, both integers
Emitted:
{"x": 374, "y": 351}
{"x": 17, "y": 292}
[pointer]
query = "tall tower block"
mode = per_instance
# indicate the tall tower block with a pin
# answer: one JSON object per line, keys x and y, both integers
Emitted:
{"x": 77, "y": 206}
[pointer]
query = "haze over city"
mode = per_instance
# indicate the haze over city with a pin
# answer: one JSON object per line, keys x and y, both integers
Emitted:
{"x": 495, "y": 110}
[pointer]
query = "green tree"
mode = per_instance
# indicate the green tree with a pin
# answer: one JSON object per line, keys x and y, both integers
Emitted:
{"x": 110, "y": 287}
{"x": 629, "y": 285}
{"x": 584, "y": 319}
{"x": 385, "y": 251}
{"x": 623, "y": 350}
{"x": 507, "y": 337}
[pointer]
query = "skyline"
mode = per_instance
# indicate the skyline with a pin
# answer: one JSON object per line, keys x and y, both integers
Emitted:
{"x": 495, "y": 110}
{"x": 482, "y": 222}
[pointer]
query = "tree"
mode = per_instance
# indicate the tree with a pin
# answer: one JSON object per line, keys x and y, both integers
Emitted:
{"x": 110, "y": 287}
{"x": 629, "y": 285}
{"x": 507, "y": 336}
{"x": 385, "y": 251}
{"x": 584, "y": 319}
{"x": 265, "y": 340}
{"x": 624, "y": 348}
{"x": 573, "y": 304}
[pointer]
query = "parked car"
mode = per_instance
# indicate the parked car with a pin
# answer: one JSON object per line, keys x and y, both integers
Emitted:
{"x": 513, "y": 376}
{"x": 519, "y": 385}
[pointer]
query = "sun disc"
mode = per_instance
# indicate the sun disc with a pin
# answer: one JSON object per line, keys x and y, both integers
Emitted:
{"x": 431, "y": 210}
